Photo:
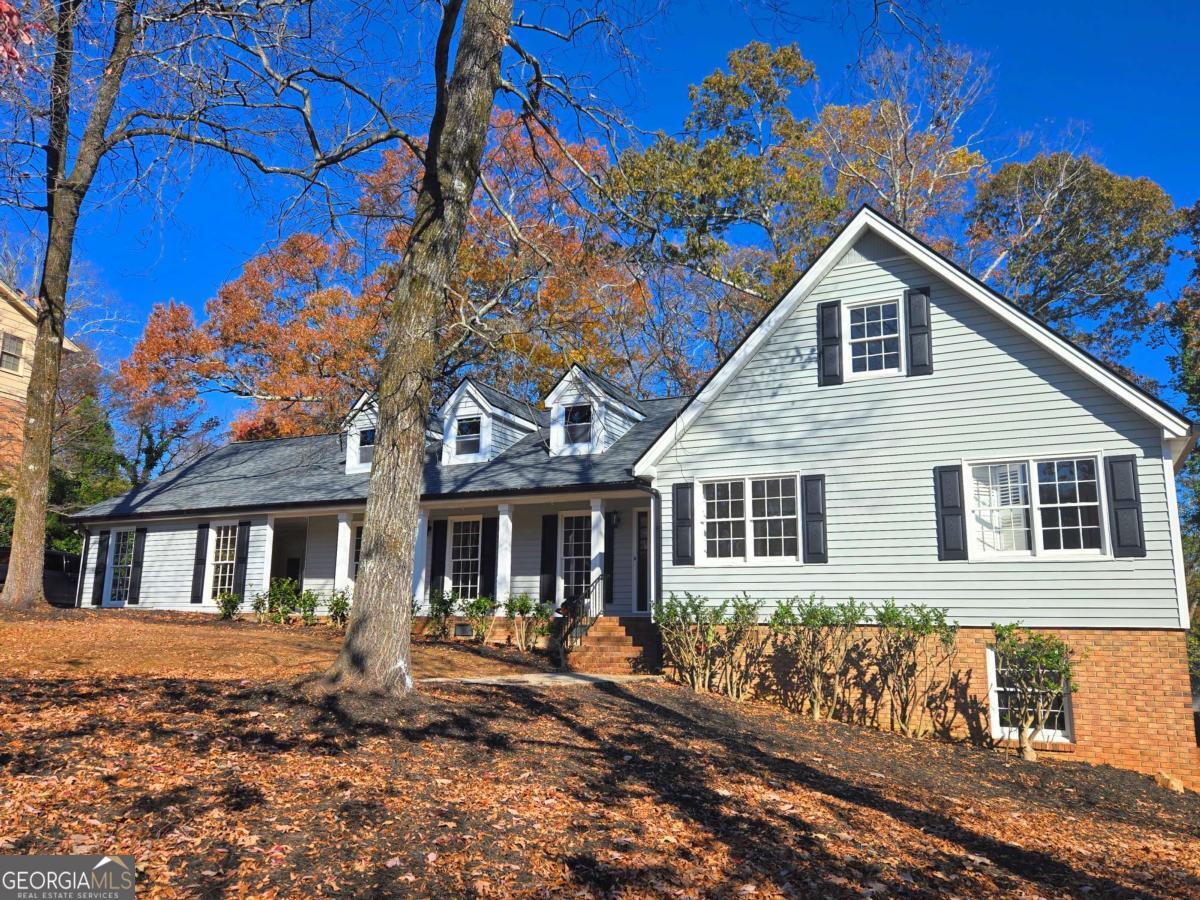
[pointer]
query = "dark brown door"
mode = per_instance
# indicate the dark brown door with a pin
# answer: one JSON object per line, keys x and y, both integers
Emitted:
{"x": 643, "y": 560}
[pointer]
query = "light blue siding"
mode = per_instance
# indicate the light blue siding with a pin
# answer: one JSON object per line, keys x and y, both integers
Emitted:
{"x": 994, "y": 395}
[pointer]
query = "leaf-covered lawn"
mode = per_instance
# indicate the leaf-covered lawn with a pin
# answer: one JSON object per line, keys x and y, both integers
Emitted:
{"x": 258, "y": 785}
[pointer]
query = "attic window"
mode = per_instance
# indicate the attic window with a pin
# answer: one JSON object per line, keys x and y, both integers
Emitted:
{"x": 366, "y": 445}
{"x": 466, "y": 437}
{"x": 578, "y": 424}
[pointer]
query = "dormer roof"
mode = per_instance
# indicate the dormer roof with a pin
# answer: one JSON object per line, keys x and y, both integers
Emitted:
{"x": 497, "y": 401}
{"x": 617, "y": 394}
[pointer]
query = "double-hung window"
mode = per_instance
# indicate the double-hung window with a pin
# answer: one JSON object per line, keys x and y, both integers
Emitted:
{"x": 1037, "y": 506}
{"x": 11, "y": 349}
{"x": 465, "y": 541}
{"x": 873, "y": 338}
{"x": 577, "y": 424}
{"x": 766, "y": 527}
{"x": 468, "y": 436}
{"x": 366, "y": 445}
{"x": 1003, "y": 719}
{"x": 122, "y": 567}
{"x": 224, "y": 560}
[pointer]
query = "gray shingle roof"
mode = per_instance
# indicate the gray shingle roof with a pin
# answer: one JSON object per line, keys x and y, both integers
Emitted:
{"x": 614, "y": 389}
{"x": 519, "y": 408}
{"x": 307, "y": 471}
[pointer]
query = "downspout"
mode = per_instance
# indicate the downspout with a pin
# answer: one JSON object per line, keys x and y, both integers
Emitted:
{"x": 656, "y": 511}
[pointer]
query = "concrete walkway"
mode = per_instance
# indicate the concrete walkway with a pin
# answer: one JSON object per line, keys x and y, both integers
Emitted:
{"x": 542, "y": 679}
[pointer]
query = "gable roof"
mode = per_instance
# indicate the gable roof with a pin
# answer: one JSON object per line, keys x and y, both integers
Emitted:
{"x": 18, "y": 302}
{"x": 595, "y": 380}
{"x": 527, "y": 412}
{"x": 1175, "y": 425}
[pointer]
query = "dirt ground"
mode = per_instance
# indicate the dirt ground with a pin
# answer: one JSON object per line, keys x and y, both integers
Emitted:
{"x": 174, "y": 644}
{"x": 251, "y": 783}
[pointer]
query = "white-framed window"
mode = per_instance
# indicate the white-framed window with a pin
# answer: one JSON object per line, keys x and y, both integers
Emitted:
{"x": 358, "y": 530}
{"x": 468, "y": 438}
{"x": 575, "y": 560}
{"x": 122, "y": 567}
{"x": 11, "y": 350}
{"x": 366, "y": 446}
{"x": 1003, "y": 725}
{"x": 773, "y": 517}
{"x": 872, "y": 344}
{"x": 750, "y": 519}
{"x": 577, "y": 424}
{"x": 465, "y": 542}
{"x": 725, "y": 519}
{"x": 1042, "y": 506}
{"x": 224, "y": 559}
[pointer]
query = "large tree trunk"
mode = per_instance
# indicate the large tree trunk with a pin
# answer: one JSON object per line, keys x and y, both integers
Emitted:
{"x": 23, "y": 584}
{"x": 376, "y": 653}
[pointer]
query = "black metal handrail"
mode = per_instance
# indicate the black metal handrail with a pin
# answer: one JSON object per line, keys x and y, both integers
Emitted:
{"x": 585, "y": 608}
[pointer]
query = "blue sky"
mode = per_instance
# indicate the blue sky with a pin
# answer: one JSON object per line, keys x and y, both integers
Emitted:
{"x": 1125, "y": 71}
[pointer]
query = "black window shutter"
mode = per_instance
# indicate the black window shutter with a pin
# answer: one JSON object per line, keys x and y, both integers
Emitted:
{"x": 198, "y": 564}
{"x": 135, "y": 573}
{"x": 489, "y": 535}
{"x": 437, "y": 552}
{"x": 239, "y": 561}
{"x": 812, "y": 497}
{"x": 548, "y": 585}
{"x": 829, "y": 342}
{"x": 683, "y": 533}
{"x": 610, "y": 554}
{"x": 920, "y": 336}
{"x": 1125, "y": 507}
{"x": 101, "y": 569}
{"x": 951, "y": 513}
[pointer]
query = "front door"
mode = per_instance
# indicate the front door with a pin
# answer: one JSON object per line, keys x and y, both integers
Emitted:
{"x": 641, "y": 560}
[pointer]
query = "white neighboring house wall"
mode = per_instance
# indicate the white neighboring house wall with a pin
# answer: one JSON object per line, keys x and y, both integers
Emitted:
{"x": 610, "y": 417}
{"x": 994, "y": 395}
{"x": 362, "y": 418}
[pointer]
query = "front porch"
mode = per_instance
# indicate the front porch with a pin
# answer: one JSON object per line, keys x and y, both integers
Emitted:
{"x": 593, "y": 547}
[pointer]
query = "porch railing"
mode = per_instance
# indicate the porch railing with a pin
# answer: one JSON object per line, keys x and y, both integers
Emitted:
{"x": 584, "y": 609}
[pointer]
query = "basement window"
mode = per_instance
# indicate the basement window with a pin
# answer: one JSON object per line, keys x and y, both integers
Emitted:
{"x": 1003, "y": 722}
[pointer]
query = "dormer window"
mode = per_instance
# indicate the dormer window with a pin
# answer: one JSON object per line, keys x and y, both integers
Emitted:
{"x": 467, "y": 436}
{"x": 577, "y": 423}
{"x": 366, "y": 446}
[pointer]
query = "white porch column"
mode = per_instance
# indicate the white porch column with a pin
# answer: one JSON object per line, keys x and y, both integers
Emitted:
{"x": 420, "y": 553}
{"x": 597, "y": 539}
{"x": 345, "y": 543}
{"x": 503, "y": 553}
{"x": 267, "y": 551}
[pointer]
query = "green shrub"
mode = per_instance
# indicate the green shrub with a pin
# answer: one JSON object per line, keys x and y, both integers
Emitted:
{"x": 338, "y": 609}
{"x": 278, "y": 602}
{"x": 740, "y": 648}
{"x": 688, "y": 628}
{"x": 911, "y": 644}
{"x": 441, "y": 608}
{"x": 519, "y": 610}
{"x": 1037, "y": 668}
{"x": 306, "y": 605}
{"x": 813, "y": 640}
{"x": 260, "y": 605}
{"x": 481, "y": 613}
{"x": 230, "y": 605}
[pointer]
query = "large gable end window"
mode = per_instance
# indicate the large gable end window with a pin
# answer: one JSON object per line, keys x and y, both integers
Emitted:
{"x": 873, "y": 338}
{"x": 11, "y": 350}
{"x": 773, "y": 515}
{"x": 468, "y": 439}
{"x": 725, "y": 519}
{"x": 1037, "y": 506}
{"x": 577, "y": 424}
{"x": 755, "y": 519}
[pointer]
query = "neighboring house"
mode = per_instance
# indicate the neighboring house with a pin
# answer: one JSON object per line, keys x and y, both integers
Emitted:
{"x": 18, "y": 331}
{"x": 892, "y": 428}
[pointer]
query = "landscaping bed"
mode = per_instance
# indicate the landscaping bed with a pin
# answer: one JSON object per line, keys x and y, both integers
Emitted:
{"x": 254, "y": 782}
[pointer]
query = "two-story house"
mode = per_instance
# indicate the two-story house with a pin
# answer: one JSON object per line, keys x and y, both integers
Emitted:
{"x": 891, "y": 429}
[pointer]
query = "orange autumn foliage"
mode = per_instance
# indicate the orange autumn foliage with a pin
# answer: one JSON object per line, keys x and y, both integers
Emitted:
{"x": 299, "y": 332}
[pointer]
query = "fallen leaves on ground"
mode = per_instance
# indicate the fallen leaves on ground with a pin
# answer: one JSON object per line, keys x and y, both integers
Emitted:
{"x": 261, "y": 785}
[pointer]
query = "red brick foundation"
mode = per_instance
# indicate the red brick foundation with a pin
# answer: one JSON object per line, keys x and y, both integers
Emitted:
{"x": 1132, "y": 705}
